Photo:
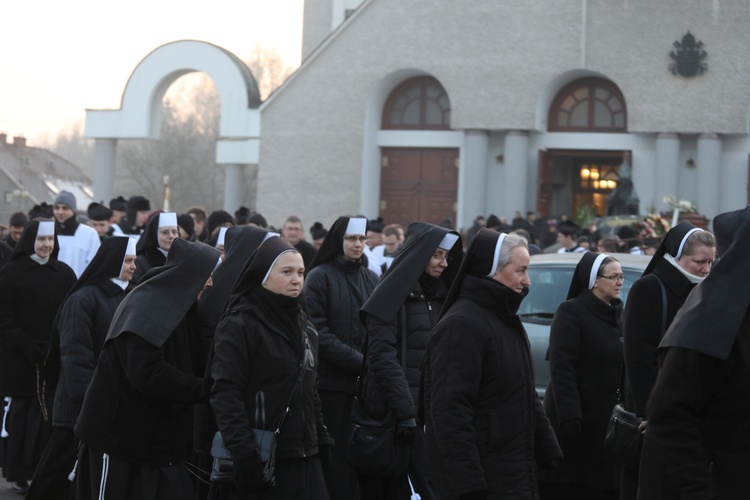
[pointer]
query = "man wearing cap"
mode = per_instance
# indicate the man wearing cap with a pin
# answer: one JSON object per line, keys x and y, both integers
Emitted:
{"x": 567, "y": 237}
{"x": 99, "y": 218}
{"x": 78, "y": 242}
{"x": 338, "y": 284}
{"x": 15, "y": 228}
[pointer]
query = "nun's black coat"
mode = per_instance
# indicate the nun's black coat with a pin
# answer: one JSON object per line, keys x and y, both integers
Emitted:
{"x": 486, "y": 430}
{"x": 697, "y": 445}
{"x": 642, "y": 328}
{"x": 30, "y": 295}
{"x": 139, "y": 403}
{"x": 585, "y": 351}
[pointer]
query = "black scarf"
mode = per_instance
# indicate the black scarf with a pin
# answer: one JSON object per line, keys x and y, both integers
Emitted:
{"x": 280, "y": 309}
{"x": 429, "y": 285}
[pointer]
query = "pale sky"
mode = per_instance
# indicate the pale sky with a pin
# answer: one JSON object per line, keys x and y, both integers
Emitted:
{"x": 58, "y": 58}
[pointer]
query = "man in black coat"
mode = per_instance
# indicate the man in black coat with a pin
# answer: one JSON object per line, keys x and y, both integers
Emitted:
{"x": 135, "y": 420}
{"x": 697, "y": 443}
{"x": 337, "y": 285}
{"x": 400, "y": 316}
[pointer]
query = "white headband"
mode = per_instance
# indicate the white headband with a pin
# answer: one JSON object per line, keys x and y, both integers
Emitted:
{"x": 268, "y": 273}
{"x": 449, "y": 240}
{"x": 684, "y": 240}
{"x": 270, "y": 234}
{"x": 167, "y": 219}
{"x": 46, "y": 228}
{"x": 221, "y": 237}
{"x": 356, "y": 225}
{"x": 129, "y": 250}
{"x": 595, "y": 269}
{"x": 496, "y": 258}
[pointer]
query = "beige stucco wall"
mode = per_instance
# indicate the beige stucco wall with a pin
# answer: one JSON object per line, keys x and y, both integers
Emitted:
{"x": 495, "y": 60}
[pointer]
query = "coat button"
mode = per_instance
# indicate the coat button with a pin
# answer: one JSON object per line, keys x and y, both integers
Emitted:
{"x": 622, "y": 339}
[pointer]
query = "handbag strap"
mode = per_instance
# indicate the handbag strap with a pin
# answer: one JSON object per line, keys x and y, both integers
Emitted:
{"x": 295, "y": 390}
{"x": 621, "y": 389}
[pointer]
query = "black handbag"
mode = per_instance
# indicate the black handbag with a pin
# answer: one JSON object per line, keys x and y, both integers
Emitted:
{"x": 623, "y": 440}
{"x": 222, "y": 470}
{"x": 372, "y": 448}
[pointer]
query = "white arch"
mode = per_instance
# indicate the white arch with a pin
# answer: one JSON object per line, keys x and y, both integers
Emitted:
{"x": 140, "y": 110}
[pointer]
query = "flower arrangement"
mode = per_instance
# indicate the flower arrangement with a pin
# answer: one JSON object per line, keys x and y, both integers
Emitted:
{"x": 653, "y": 226}
{"x": 681, "y": 205}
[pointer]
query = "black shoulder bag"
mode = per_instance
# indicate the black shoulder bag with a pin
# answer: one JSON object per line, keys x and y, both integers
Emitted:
{"x": 222, "y": 470}
{"x": 623, "y": 439}
{"x": 372, "y": 447}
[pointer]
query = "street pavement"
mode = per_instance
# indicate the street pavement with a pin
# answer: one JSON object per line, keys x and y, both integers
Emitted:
{"x": 6, "y": 493}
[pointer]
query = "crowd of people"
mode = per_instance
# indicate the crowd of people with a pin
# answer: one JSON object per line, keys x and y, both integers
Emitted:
{"x": 130, "y": 337}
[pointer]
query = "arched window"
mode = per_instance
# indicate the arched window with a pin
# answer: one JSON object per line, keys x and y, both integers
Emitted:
{"x": 419, "y": 103}
{"x": 588, "y": 105}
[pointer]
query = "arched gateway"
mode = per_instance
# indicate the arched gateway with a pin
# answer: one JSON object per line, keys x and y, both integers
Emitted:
{"x": 139, "y": 113}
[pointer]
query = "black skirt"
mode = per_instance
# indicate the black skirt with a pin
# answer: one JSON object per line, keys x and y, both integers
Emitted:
{"x": 121, "y": 480}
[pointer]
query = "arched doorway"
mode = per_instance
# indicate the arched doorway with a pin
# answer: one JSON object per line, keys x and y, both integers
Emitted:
{"x": 570, "y": 179}
{"x": 418, "y": 183}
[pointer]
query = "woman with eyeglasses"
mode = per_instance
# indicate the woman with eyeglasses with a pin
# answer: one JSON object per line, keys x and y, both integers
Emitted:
{"x": 585, "y": 352}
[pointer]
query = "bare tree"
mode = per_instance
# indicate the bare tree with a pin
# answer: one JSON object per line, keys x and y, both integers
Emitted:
{"x": 268, "y": 68}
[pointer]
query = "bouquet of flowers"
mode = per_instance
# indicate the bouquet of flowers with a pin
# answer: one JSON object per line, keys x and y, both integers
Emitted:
{"x": 653, "y": 226}
{"x": 681, "y": 205}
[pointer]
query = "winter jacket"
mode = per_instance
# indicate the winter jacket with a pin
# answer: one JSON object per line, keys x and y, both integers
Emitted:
{"x": 335, "y": 291}
{"x": 252, "y": 355}
{"x": 585, "y": 355}
{"x": 486, "y": 430}
{"x": 387, "y": 386}
{"x": 83, "y": 323}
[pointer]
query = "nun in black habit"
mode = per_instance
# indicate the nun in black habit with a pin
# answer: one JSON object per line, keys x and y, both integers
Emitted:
{"x": 697, "y": 443}
{"x": 262, "y": 346}
{"x": 32, "y": 287}
{"x": 135, "y": 421}
{"x": 154, "y": 244}
{"x": 77, "y": 338}
{"x": 405, "y": 306}
{"x": 486, "y": 432}
{"x": 337, "y": 285}
{"x": 682, "y": 260}
{"x": 585, "y": 357}
{"x": 240, "y": 243}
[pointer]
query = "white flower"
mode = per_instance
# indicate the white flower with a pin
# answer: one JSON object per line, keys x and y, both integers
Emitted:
{"x": 669, "y": 200}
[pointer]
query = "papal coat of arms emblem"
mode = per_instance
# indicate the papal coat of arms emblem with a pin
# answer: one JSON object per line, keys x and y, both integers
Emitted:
{"x": 688, "y": 57}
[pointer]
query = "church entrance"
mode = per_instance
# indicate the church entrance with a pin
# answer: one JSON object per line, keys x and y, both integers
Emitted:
{"x": 569, "y": 180}
{"x": 418, "y": 184}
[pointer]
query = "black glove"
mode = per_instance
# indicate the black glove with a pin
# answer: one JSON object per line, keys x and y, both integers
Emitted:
{"x": 571, "y": 427}
{"x": 33, "y": 350}
{"x": 474, "y": 495}
{"x": 406, "y": 431}
{"x": 247, "y": 473}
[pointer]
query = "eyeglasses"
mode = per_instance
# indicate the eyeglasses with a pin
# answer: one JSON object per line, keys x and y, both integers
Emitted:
{"x": 614, "y": 277}
{"x": 354, "y": 238}
{"x": 442, "y": 257}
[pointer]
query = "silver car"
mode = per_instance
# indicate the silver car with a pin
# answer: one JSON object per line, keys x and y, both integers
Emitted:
{"x": 550, "y": 276}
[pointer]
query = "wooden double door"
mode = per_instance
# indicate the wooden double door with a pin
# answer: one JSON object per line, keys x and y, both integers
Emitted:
{"x": 418, "y": 184}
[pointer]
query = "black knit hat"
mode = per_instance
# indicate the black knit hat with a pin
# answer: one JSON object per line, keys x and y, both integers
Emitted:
{"x": 217, "y": 218}
{"x": 120, "y": 204}
{"x": 317, "y": 231}
{"x": 186, "y": 222}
